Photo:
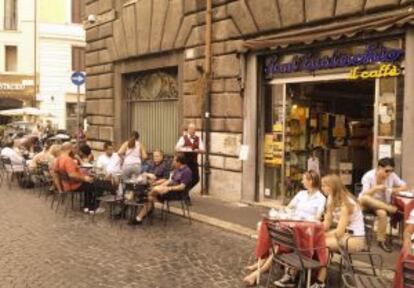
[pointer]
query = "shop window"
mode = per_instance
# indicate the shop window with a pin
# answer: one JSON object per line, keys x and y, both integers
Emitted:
{"x": 78, "y": 58}
{"x": 77, "y": 11}
{"x": 11, "y": 58}
{"x": 153, "y": 102}
{"x": 10, "y": 14}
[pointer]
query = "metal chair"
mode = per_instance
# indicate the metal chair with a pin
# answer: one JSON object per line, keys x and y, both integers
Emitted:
{"x": 284, "y": 236}
{"x": 140, "y": 197}
{"x": 356, "y": 276}
{"x": 179, "y": 196}
{"x": 9, "y": 169}
{"x": 408, "y": 274}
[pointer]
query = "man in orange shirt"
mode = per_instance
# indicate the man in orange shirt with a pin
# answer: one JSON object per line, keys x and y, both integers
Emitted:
{"x": 78, "y": 181}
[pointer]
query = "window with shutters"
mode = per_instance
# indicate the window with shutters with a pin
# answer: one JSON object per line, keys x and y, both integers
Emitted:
{"x": 78, "y": 58}
{"x": 11, "y": 58}
{"x": 10, "y": 14}
{"x": 77, "y": 11}
{"x": 153, "y": 108}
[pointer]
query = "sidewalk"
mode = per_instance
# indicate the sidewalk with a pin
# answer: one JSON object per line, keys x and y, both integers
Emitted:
{"x": 236, "y": 217}
{"x": 243, "y": 219}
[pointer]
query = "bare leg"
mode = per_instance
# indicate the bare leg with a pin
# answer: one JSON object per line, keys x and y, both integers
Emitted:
{"x": 253, "y": 277}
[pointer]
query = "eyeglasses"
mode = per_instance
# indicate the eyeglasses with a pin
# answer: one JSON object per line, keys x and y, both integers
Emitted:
{"x": 388, "y": 171}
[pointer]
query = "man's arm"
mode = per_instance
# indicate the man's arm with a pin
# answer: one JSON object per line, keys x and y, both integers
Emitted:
{"x": 398, "y": 184}
{"x": 71, "y": 169}
{"x": 123, "y": 149}
{"x": 369, "y": 189}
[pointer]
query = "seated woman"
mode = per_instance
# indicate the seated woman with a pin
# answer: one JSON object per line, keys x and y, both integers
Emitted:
{"x": 344, "y": 211}
{"x": 11, "y": 152}
{"x": 158, "y": 168}
{"x": 409, "y": 231}
{"x": 308, "y": 204}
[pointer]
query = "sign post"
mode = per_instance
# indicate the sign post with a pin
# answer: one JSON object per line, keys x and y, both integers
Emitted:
{"x": 78, "y": 79}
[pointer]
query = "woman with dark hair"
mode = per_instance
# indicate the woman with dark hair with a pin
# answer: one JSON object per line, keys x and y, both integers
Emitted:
{"x": 133, "y": 153}
{"x": 308, "y": 204}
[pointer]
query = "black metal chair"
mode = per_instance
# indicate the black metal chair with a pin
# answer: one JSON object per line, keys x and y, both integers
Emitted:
{"x": 178, "y": 196}
{"x": 408, "y": 273}
{"x": 139, "y": 198}
{"x": 284, "y": 236}
{"x": 11, "y": 174}
{"x": 356, "y": 276}
{"x": 60, "y": 196}
{"x": 111, "y": 199}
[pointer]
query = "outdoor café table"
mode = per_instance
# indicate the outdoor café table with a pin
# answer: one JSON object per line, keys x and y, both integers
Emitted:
{"x": 309, "y": 235}
{"x": 405, "y": 204}
{"x": 398, "y": 278}
{"x": 139, "y": 190}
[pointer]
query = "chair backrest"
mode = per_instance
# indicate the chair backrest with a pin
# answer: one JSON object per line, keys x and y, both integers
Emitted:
{"x": 369, "y": 222}
{"x": 282, "y": 235}
{"x": 408, "y": 274}
{"x": 357, "y": 189}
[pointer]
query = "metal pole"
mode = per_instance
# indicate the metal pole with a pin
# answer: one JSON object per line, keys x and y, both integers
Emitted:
{"x": 207, "y": 100}
{"x": 35, "y": 53}
{"x": 78, "y": 121}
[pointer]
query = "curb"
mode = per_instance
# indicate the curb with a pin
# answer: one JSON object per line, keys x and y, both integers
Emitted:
{"x": 228, "y": 226}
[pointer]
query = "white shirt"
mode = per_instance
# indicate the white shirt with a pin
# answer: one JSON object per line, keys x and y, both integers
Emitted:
{"x": 356, "y": 221}
{"x": 111, "y": 165}
{"x": 181, "y": 143}
{"x": 15, "y": 158}
{"x": 308, "y": 206}
{"x": 133, "y": 156}
{"x": 369, "y": 180}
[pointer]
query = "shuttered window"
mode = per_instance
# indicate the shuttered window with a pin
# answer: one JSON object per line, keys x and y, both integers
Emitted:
{"x": 153, "y": 109}
{"x": 11, "y": 58}
{"x": 10, "y": 14}
{"x": 77, "y": 11}
{"x": 78, "y": 58}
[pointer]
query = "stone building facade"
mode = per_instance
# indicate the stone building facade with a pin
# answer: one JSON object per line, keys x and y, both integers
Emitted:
{"x": 132, "y": 36}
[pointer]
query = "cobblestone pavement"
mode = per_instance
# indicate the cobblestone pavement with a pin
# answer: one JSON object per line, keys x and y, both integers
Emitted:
{"x": 41, "y": 248}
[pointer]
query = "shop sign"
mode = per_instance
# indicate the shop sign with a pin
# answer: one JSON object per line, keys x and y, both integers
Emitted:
{"x": 374, "y": 53}
{"x": 384, "y": 70}
{"x": 17, "y": 86}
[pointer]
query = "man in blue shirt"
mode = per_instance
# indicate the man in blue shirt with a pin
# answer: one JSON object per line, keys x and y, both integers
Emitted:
{"x": 178, "y": 183}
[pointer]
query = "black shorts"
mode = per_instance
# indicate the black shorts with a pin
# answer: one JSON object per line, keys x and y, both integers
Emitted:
{"x": 170, "y": 196}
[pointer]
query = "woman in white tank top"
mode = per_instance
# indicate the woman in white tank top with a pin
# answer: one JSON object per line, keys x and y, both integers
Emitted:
{"x": 344, "y": 213}
{"x": 133, "y": 153}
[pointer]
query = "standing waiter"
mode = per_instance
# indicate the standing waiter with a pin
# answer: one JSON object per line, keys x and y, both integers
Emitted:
{"x": 190, "y": 144}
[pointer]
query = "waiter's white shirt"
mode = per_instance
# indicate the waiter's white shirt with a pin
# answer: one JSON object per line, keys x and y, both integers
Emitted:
{"x": 181, "y": 143}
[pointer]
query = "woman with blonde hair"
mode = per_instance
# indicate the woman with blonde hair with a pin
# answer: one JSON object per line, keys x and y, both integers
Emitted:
{"x": 345, "y": 215}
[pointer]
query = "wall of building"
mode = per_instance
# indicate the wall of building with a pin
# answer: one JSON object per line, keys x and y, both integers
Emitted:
{"x": 144, "y": 30}
{"x": 57, "y": 35}
{"x": 22, "y": 37}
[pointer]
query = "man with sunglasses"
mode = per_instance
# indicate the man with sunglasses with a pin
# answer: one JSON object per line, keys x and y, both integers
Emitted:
{"x": 378, "y": 185}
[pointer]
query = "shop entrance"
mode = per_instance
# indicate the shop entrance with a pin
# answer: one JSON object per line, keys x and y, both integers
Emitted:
{"x": 327, "y": 125}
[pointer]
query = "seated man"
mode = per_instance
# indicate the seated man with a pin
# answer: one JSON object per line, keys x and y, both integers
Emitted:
{"x": 170, "y": 189}
{"x": 16, "y": 159}
{"x": 378, "y": 185}
{"x": 158, "y": 168}
{"x": 78, "y": 181}
{"x": 109, "y": 161}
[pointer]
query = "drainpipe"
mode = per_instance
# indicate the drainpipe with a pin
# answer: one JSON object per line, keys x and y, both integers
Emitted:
{"x": 35, "y": 54}
{"x": 207, "y": 98}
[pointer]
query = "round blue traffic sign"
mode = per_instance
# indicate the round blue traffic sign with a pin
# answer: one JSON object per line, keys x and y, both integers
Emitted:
{"x": 78, "y": 78}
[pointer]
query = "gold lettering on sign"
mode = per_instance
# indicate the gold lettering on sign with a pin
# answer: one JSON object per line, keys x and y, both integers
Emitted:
{"x": 385, "y": 70}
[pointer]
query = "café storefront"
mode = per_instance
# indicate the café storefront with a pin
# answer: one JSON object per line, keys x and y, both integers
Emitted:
{"x": 16, "y": 91}
{"x": 336, "y": 106}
